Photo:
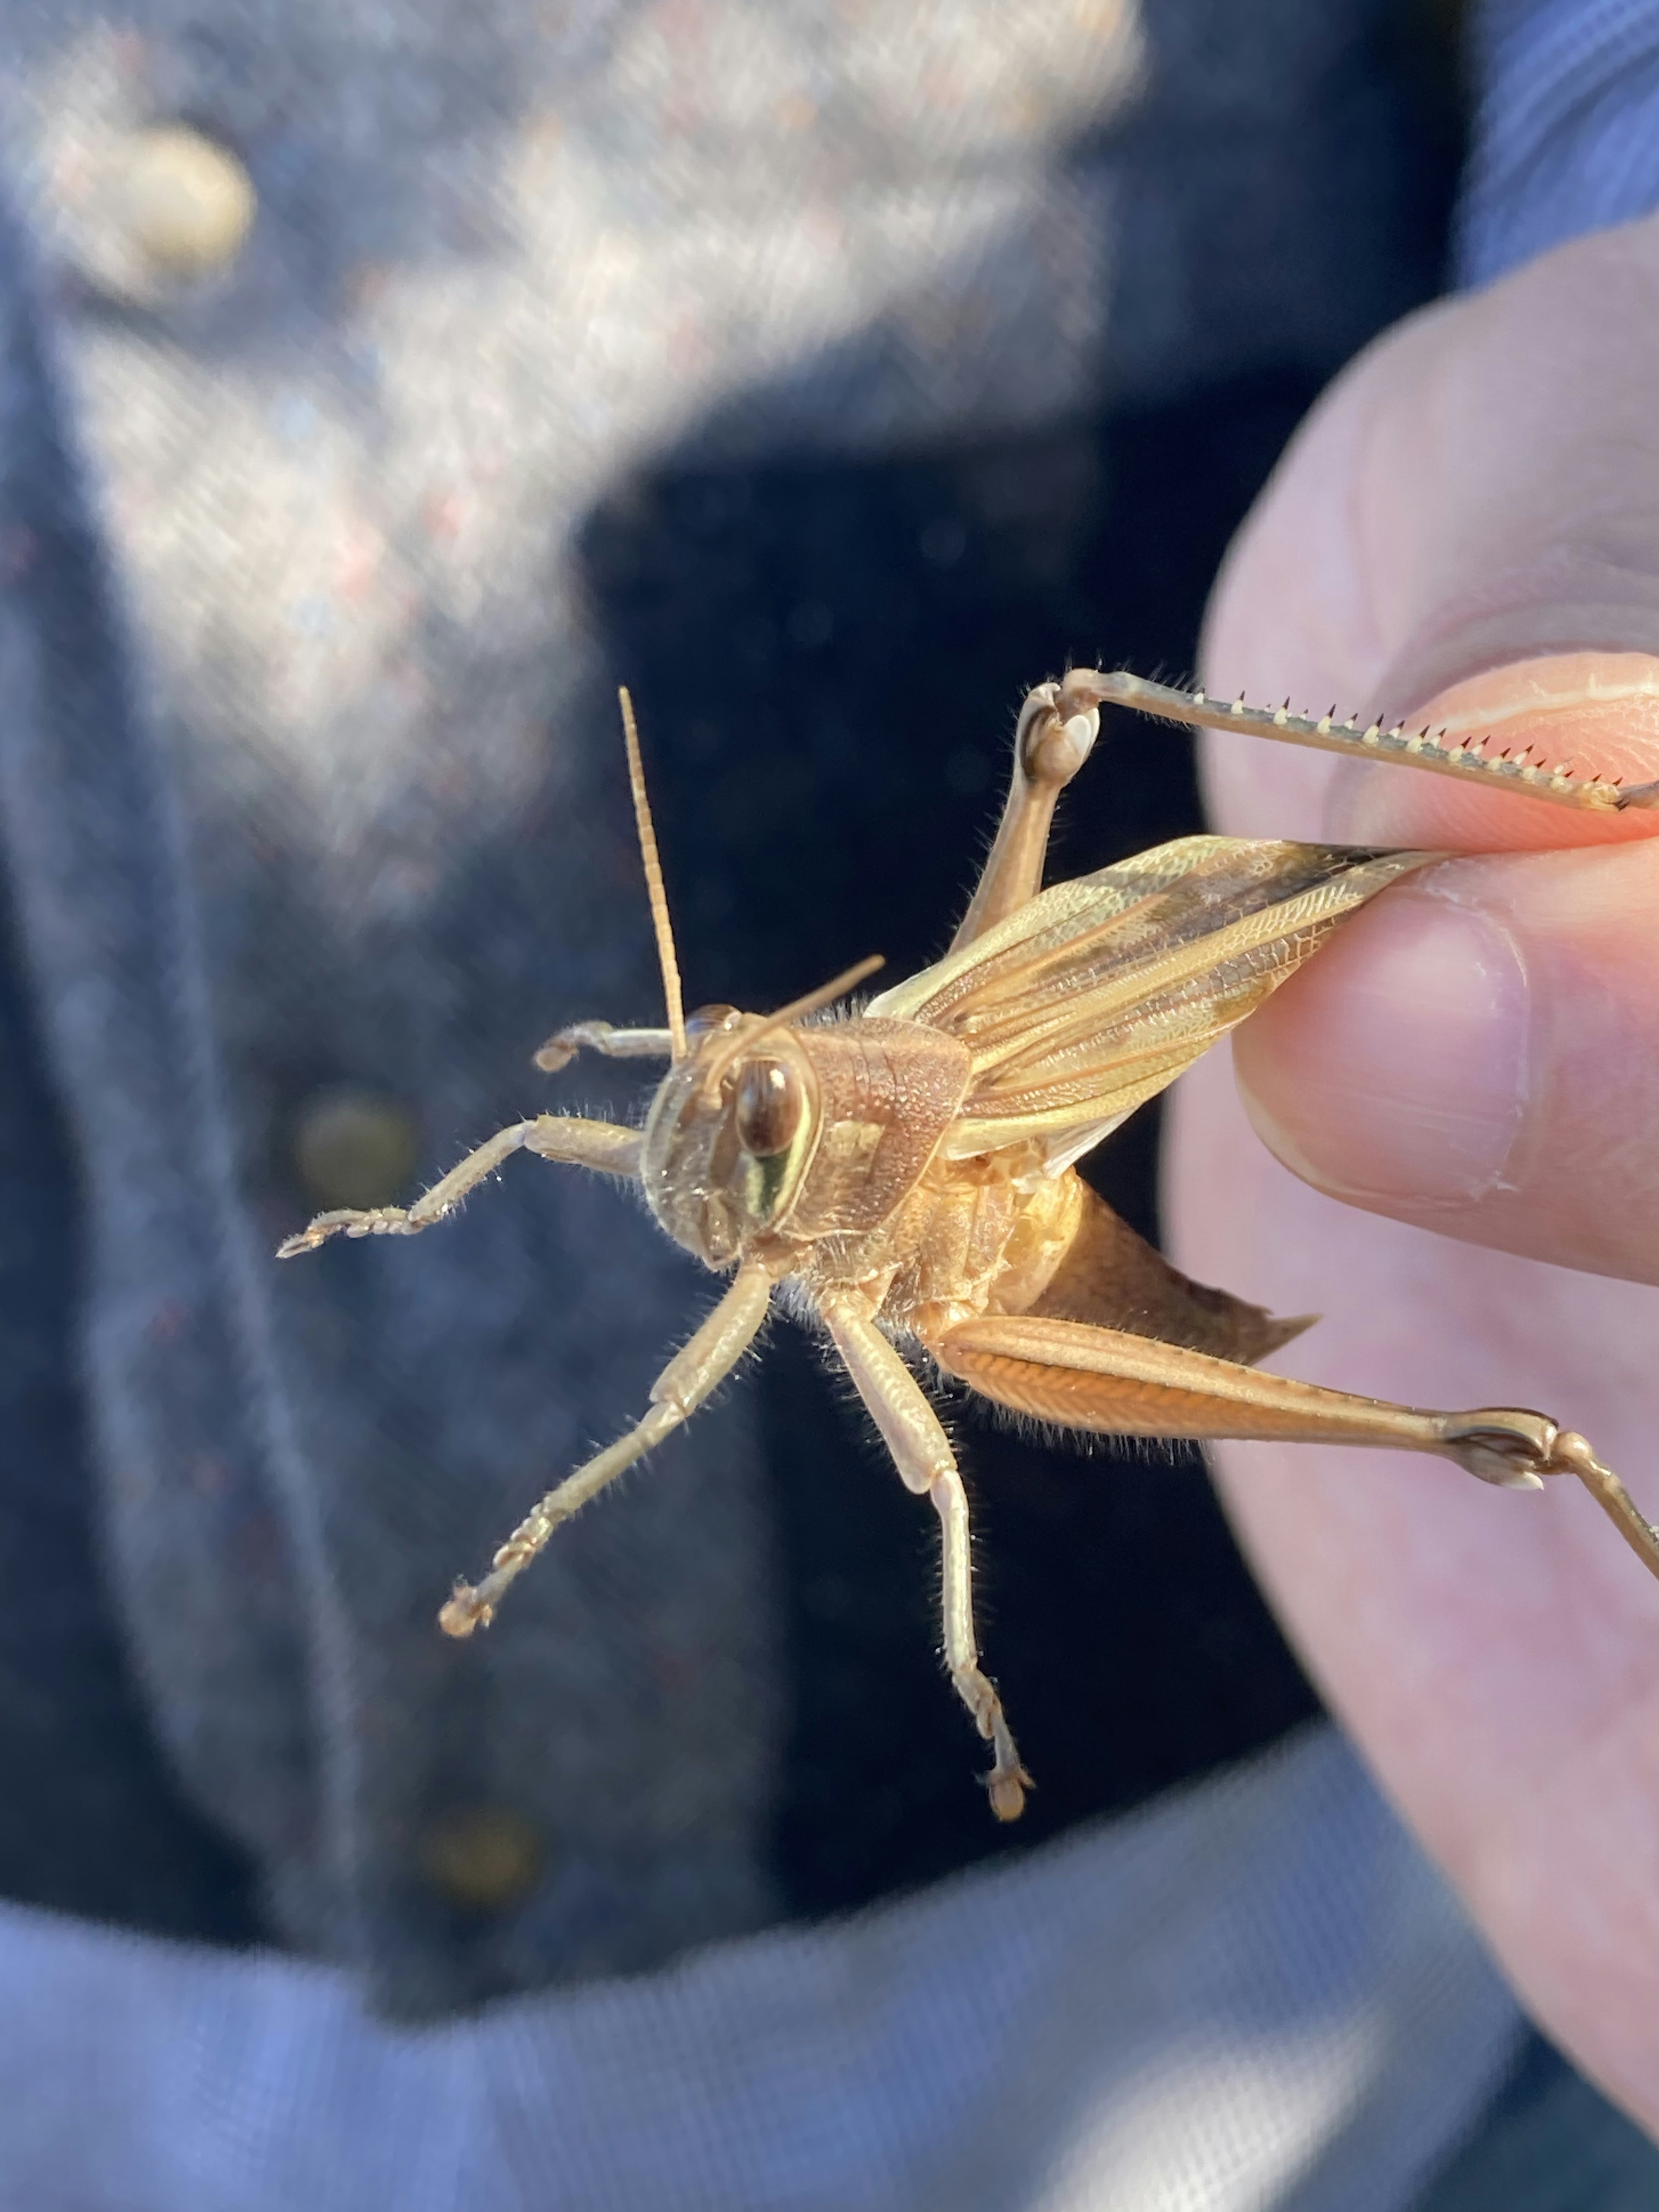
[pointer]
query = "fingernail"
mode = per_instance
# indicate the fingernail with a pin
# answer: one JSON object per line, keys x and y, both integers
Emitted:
{"x": 1396, "y": 1073}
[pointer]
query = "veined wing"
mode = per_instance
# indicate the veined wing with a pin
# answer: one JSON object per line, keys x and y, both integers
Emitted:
{"x": 1097, "y": 992}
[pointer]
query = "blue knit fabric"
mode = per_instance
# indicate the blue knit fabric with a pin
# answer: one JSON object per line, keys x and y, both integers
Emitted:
{"x": 1567, "y": 128}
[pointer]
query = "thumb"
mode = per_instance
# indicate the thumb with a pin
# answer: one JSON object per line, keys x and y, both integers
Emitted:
{"x": 1468, "y": 529}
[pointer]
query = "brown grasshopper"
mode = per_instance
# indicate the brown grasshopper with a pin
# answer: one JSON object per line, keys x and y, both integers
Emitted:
{"x": 903, "y": 1174}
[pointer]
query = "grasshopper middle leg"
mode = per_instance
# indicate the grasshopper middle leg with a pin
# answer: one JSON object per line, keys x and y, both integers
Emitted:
{"x": 921, "y": 1452}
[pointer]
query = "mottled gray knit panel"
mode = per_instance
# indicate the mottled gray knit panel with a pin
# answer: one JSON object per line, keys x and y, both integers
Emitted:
{"x": 212, "y": 1519}
{"x": 501, "y": 259}
{"x": 629, "y": 1716}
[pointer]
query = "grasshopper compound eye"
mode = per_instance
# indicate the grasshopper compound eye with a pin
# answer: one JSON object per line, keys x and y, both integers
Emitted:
{"x": 769, "y": 1105}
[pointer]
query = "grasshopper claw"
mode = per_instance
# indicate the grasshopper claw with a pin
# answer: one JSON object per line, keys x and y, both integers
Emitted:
{"x": 348, "y": 1221}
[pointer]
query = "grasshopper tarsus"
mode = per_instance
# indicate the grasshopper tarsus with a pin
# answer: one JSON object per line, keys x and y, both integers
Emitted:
{"x": 1007, "y": 1784}
{"x": 464, "y": 1611}
{"x": 350, "y": 1221}
{"x": 1006, "y": 1787}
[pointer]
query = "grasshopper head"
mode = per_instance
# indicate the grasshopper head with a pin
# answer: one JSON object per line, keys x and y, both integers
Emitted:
{"x": 730, "y": 1133}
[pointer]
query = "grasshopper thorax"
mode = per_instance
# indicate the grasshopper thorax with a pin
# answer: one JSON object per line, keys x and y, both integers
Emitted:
{"x": 730, "y": 1135}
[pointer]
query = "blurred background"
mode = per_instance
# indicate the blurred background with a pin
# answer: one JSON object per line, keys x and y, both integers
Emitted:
{"x": 389, "y": 518}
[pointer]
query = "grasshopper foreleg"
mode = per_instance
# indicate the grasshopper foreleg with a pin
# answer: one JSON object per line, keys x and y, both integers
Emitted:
{"x": 601, "y": 1145}
{"x": 689, "y": 1376}
{"x": 611, "y": 1043}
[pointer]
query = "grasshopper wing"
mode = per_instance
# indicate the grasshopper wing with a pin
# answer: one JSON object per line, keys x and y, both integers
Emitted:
{"x": 1097, "y": 992}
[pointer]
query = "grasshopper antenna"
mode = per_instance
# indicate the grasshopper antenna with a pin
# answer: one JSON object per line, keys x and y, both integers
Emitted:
{"x": 808, "y": 1003}
{"x": 653, "y": 883}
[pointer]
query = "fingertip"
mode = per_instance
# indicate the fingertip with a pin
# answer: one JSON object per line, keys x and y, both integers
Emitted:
{"x": 1594, "y": 713}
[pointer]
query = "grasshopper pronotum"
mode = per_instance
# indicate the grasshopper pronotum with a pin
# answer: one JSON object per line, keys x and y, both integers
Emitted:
{"x": 903, "y": 1174}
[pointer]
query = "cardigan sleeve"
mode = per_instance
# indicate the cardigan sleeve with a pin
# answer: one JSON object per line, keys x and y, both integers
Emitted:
{"x": 1567, "y": 127}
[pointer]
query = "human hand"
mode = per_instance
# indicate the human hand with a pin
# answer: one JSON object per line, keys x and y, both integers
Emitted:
{"x": 1477, "y": 1056}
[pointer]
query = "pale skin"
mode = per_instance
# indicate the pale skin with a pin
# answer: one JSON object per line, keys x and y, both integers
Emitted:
{"x": 1469, "y": 525}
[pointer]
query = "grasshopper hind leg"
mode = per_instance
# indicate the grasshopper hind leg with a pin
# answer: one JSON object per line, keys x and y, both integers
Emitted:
{"x": 1570, "y": 1455}
{"x": 1050, "y": 746}
{"x": 1115, "y": 1384}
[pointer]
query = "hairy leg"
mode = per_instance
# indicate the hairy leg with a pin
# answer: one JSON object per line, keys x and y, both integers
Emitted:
{"x": 601, "y": 1145}
{"x": 565, "y": 1044}
{"x": 689, "y": 1376}
{"x": 1444, "y": 751}
{"x": 1051, "y": 743}
{"x": 921, "y": 1452}
{"x": 1117, "y": 1384}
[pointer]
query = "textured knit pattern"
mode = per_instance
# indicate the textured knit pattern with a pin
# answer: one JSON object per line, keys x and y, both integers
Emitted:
{"x": 493, "y": 267}
{"x": 1566, "y": 140}
{"x": 1077, "y": 2033}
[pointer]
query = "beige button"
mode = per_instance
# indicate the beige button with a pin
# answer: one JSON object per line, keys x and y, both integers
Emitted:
{"x": 482, "y": 1858}
{"x": 354, "y": 1148}
{"x": 188, "y": 202}
{"x": 145, "y": 214}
